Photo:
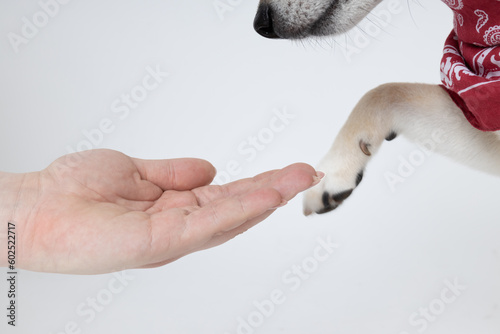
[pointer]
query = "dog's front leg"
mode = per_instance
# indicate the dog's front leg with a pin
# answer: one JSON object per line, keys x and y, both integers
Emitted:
{"x": 417, "y": 111}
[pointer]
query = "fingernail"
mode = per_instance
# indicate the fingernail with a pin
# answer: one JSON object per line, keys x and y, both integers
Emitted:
{"x": 317, "y": 178}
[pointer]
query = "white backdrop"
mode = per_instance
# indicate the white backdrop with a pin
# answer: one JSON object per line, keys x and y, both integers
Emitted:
{"x": 396, "y": 252}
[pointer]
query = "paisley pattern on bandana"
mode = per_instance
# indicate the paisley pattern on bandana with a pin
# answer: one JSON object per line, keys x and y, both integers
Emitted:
{"x": 483, "y": 18}
{"x": 492, "y": 36}
{"x": 470, "y": 68}
{"x": 454, "y": 4}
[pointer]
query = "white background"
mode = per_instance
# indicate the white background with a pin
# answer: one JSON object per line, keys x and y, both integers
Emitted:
{"x": 397, "y": 248}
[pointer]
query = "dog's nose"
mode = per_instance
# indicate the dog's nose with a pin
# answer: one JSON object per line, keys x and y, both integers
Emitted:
{"x": 263, "y": 22}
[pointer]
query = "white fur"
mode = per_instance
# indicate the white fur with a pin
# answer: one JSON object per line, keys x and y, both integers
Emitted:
{"x": 421, "y": 113}
{"x": 303, "y": 18}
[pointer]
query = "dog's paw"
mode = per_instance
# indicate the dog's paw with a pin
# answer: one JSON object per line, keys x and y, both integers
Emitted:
{"x": 343, "y": 166}
{"x": 333, "y": 189}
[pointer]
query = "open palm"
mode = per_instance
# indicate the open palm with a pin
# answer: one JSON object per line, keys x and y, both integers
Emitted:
{"x": 110, "y": 212}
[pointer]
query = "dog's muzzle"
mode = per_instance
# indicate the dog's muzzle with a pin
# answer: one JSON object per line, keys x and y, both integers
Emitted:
{"x": 263, "y": 22}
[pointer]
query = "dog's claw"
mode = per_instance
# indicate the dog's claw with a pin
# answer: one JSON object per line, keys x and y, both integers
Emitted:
{"x": 364, "y": 147}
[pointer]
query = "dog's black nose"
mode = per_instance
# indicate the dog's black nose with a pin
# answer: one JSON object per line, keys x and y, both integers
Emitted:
{"x": 263, "y": 22}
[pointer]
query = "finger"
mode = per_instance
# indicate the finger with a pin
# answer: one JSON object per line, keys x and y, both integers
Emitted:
{"x": 228, "y": 214}
{"x": 176, "y": 174}
{"x": 177, "y": 232}
{"x": 213, "y": 193}
{"x": 295, "y": 179}
{"x": 288, "y": 181}
{"x": 225, "y": 237}
{"x": 217, "y": 240}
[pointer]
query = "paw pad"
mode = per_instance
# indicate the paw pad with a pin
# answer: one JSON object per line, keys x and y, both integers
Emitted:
{"x": 331, "y": 202}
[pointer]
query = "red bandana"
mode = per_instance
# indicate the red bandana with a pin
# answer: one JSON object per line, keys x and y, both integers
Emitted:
{"x": 470, "y": 68}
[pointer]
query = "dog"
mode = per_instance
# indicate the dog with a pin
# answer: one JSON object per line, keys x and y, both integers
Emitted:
{"x": 462, "y": 114}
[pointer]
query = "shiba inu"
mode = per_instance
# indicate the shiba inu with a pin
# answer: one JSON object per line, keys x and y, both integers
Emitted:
{"x": 461, "y": 116}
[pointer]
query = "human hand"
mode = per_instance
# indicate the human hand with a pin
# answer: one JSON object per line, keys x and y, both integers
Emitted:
{"x": 110, "y": 212}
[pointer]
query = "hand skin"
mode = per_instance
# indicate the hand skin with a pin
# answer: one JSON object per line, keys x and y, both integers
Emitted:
{"x": 101, "y": 211}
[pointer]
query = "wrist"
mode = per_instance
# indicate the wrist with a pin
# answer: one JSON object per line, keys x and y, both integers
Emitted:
{"x": 18, "y": 194}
